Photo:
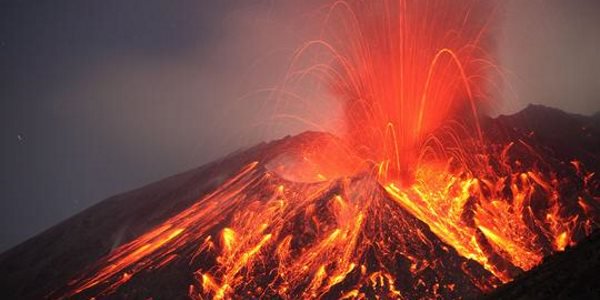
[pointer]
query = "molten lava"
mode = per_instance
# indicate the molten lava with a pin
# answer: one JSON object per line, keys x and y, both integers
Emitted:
{"x": 414, "y": 201}
{"x": 403, "y": 69}
{"x": 448, "y": 235}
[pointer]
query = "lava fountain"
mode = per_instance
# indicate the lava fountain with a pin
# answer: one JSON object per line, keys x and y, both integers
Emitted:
{"x": 403, "y": 69}
{"x": 416, "y": 200}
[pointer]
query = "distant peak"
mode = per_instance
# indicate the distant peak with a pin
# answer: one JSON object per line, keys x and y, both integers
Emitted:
{"x": 531, "y": 107}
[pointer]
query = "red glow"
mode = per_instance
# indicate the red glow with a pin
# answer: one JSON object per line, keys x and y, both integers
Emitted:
{"x": 404, "y": 69}
{"x": 414, "y": 185}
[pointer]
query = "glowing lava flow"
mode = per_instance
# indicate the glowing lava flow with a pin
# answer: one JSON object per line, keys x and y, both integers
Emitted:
{"x": 259, "y": 235}
{"x": 495, "y": 220}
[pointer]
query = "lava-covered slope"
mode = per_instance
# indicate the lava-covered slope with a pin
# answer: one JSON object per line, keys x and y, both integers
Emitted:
{"x": 39, "y": 265}
{"x": 258, "y": 233}
{"x": 262, "y": 236}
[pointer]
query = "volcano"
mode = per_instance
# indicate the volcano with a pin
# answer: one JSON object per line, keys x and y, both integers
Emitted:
{"x": 278, "y": 221}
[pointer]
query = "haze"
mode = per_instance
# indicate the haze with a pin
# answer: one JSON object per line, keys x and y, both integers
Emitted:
{"x": 99, "y": 98}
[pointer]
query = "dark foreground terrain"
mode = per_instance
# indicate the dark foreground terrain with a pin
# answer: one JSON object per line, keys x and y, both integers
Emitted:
{"x": 572, "y": 274}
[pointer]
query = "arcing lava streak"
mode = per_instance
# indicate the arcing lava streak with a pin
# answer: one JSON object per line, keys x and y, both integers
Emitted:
{"x": 415, "y": 201}
{"x": 402, "y": 70}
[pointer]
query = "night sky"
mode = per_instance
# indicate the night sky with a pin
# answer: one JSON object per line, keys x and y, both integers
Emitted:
{"x": 100, "y": 97}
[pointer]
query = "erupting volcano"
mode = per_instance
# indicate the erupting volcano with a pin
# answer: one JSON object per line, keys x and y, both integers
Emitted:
{"x": 422, "y": 196}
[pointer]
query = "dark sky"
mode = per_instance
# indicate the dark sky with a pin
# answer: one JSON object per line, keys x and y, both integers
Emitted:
{"x": 550, "y": 50}
{"x": 100, "y": 97}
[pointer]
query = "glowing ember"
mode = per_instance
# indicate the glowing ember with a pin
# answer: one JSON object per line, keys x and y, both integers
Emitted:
{"x": 407, "y": 205}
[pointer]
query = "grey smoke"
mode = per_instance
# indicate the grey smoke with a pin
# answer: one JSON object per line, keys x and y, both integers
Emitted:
{"x": 101, "y": 97}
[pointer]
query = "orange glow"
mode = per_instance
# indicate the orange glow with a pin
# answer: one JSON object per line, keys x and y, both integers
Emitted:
{"x": 403, "y": 69}
{"x": 474, "y": 216}
{"x": 413, "y": 201}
